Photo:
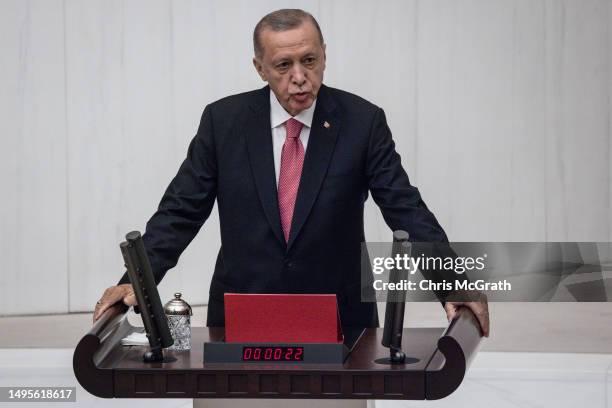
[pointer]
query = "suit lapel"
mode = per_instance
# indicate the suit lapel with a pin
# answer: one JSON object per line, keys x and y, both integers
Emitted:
{"x": 321, "y": 143}
{"x": 259, "y": 145}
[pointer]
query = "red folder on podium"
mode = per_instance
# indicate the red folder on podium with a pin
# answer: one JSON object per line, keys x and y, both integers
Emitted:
{"x": 282, "y": 318}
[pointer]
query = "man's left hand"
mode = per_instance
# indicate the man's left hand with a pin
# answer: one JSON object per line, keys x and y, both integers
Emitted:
{"x": 480, "y": 308}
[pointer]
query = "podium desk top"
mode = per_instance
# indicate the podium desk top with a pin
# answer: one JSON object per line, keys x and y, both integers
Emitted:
{"x": 419, "y": 343}
{"x": 107, "y": 369}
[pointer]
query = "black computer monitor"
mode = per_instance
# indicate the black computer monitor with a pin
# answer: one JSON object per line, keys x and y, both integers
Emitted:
{"x": 147, "y": 296}
{"x": 396, "y": 302}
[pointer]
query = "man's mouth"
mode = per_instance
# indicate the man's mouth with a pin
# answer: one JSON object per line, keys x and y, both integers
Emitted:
{"x": 300, "y": 97}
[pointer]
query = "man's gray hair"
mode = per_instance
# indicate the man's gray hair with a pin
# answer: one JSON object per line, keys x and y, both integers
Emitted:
{"x": 282, "y": 20}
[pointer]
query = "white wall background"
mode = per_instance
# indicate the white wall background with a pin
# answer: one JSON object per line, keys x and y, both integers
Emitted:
{"x": 500, "y": 109}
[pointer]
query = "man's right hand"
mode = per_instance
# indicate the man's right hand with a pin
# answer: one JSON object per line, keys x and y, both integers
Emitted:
{"x": 120, "y": 293}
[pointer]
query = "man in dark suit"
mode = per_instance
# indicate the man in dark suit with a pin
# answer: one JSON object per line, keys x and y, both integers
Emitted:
{"x": 290, "y": 166}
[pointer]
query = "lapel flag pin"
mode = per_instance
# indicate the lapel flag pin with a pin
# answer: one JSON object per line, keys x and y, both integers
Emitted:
{"x": 326, "y": 125}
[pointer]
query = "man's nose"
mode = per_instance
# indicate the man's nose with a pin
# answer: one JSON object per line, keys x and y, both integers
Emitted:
{"x": 298, "y": 76}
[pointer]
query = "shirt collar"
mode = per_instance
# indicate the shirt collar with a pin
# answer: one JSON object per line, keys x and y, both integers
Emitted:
{"x": 278, "y": 114}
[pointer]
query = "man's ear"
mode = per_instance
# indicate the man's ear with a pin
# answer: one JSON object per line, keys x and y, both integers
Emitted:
{"x": 324, "y": 56}
{"x": 259, "y": 68}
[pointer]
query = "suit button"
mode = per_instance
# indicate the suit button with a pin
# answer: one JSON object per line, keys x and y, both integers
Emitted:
{"x": 289, "y": 264}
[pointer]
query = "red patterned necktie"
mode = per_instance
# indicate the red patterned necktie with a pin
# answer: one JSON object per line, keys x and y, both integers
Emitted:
{"x": 292, "y": 161}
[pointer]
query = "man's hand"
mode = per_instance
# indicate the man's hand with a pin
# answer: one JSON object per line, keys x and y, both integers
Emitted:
{"x": 479, "y": 307}
{"x": 112, "y": 295}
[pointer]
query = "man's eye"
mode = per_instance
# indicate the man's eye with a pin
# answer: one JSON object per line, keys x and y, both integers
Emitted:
{"x": 309, "y": 60}
{"x": 282, "y": 65}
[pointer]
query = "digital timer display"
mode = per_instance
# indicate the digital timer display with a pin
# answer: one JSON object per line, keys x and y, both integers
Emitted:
{"x": 272, "y": 353}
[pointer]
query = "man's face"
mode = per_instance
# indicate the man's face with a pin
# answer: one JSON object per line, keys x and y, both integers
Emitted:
{"x": 292, "y": 63}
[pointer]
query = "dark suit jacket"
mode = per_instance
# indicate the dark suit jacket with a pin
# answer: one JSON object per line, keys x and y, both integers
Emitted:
{"x": 230, "y": 159}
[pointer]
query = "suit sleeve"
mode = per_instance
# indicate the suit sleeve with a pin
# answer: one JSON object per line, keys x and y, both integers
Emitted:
{"x": 400, "y": 203}
{"x": 185, "y": 205}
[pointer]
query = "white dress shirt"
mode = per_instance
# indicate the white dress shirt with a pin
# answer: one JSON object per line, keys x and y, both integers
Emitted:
{"x": 278, "y": 116}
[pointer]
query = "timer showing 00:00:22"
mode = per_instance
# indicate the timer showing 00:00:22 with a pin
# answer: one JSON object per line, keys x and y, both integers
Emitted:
{"x": 262, "y": 353}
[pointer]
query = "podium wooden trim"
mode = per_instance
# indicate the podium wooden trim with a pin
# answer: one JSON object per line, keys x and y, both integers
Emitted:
{"x": 107, "y": 369}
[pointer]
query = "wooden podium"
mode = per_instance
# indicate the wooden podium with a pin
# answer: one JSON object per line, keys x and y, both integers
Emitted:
{"x": 107, "y": 369}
